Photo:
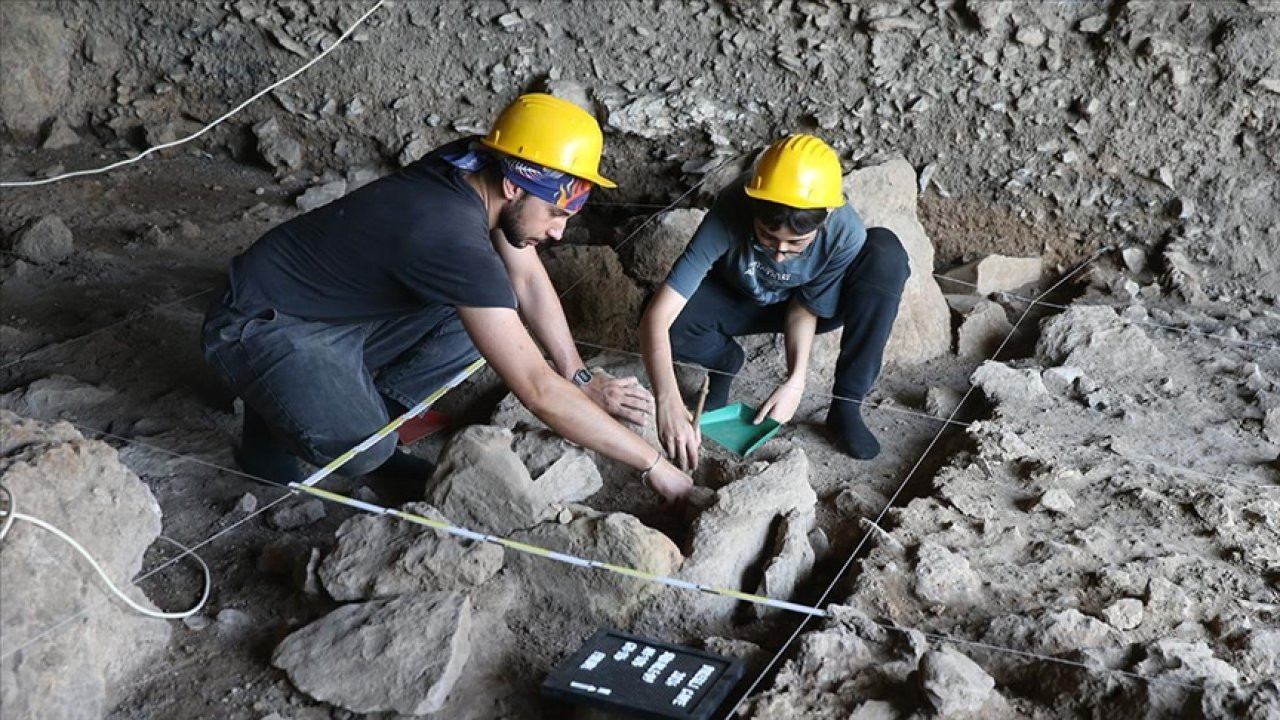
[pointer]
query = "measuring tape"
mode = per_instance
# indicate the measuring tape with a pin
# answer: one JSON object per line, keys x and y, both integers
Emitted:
{"x": 554, "y": 555}
{"x": 309, "y": 486}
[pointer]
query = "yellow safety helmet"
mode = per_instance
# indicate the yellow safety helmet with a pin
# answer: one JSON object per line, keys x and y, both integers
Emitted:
{"x": 552, "y": 132}
{"x": 798, "y": 171}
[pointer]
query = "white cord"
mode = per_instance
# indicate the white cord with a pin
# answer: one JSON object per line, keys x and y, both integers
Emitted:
{"x": 210, "y": 126}
{"x": 11, "y": 513}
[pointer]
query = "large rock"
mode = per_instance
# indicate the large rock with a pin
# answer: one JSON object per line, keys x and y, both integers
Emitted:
{"x": 1096, "y": 340}
{"x": 35, "y": 52}
{"x": 885, "y": 196}
{"x": 400, "y": 655}
{"x": 482, "y": 484}
{"x": 78, "y": 485}
{"x": 602, "y": 304}
{"x": 793, "y": 558}
{"x": 595, "y": 595}
{"x": 993, "y": 273}
{"x": 650, "y": 253}
{"x": 734, "y": 535}
{"x": 380, "y": 556}
{"x": 46, "y": 240}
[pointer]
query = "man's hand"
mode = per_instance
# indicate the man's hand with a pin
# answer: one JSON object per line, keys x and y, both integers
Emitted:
{"x": 678, "y": 435}
{"x": 623, "y": 398}
{"x": 668, "y": 481}
{"x": 782, "y": 403}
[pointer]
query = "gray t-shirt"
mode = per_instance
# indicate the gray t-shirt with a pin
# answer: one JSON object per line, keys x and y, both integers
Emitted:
{"x": 724, "y": 244}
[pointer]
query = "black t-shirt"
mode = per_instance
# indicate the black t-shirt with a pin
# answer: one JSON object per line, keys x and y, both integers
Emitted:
{"x": 408, "y": 241}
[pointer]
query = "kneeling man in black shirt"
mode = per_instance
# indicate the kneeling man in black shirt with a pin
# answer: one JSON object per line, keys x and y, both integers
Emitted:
{"x": 345, "y": 316}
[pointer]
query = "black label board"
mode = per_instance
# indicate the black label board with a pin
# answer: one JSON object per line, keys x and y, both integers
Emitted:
{"x": 635, "y": 677}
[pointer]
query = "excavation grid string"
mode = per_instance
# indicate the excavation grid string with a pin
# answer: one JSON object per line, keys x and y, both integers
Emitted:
{"x": 517, "y": 546}
{"x": 800, "y": 628}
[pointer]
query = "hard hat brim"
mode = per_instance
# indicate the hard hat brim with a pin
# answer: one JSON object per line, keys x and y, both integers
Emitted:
{"x": 593, "y": 178}
{"x": 795, "y": 202}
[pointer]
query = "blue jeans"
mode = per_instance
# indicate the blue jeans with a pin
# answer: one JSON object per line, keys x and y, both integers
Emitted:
{"x": 320, "y": 386}
{"x": 869, "y": 296}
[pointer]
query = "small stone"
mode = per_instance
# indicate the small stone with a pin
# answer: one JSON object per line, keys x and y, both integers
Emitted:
{"x": 247, "y": 503}
{"x": 297, "y": 514}
{"x": 1056, "y": 500}
{"x": 321, "y": 195}
{"x": 565, "y": 516}
{"x": 1135, "y": 259}
{"x": 1124, "y": 614}
{"x": 233, "y": 621}
{"x": 46, "y": 240}
{"x": 941, "y": 402}
{"x": 510, "y": 20}
{"x": 59, "y": 136}
{"x": 188, "y": 230}
{"x": 1032, "y": 36}
{"x": 1093, "y": 24}
{"x": 154, "y": 237}
{"x": 197, "y": 622}
{"x": 953, "y": 683}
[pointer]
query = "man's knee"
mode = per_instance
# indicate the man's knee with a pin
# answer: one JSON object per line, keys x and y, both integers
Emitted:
{"x": 363, "y": 463}
{"x": 888, "y": 257}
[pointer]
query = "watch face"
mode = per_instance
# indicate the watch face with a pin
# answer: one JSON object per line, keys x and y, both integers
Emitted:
{"x": 582, "y": 377}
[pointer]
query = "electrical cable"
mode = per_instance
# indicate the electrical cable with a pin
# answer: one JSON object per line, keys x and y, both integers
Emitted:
{"x": 11, "y": 513}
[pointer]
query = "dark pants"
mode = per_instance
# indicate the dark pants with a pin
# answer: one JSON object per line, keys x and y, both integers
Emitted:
{"x": 320, "y": 386}
{"x": 869, "y": 296}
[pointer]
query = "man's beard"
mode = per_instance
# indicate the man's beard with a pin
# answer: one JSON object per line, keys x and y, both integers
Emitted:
{"x": 508, "y": 221}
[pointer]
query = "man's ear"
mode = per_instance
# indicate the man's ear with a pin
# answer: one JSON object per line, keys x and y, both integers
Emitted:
{"x": 510, "y": 190}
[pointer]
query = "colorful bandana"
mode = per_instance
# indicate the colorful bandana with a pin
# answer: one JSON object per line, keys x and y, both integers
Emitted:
{"x": 558, "y": 188}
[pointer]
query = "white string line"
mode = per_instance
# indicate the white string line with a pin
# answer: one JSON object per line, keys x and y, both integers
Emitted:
{"x": 822, "y": 599}
{"x": 887, "y": 626}
{"x": 210, "y": 126}
{"x": 771, "y": 382}
{"x": 135, "y": 315}
{"x": 1148, "y": 323}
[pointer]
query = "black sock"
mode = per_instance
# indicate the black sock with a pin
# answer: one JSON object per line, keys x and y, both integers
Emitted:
{"x": 263, "y": 455}
{"x": 852, "y": 435}
{"x": 717, "y": 390}
{"x": 402, "y": 478}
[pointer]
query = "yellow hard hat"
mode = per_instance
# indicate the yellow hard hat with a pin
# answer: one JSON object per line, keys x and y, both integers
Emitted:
{"x": 552, "y": 132}
{"x": 798, "y": 171}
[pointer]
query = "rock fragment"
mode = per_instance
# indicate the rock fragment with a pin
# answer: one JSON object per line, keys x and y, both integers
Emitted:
{"x": 297, "y": 514}
{"x": 400, "y": 655}
{"x": 953, "y": 683}
{"x": 994, "y": 273}
{"x": 1124, "y": 614}
{"x": 47, "y": 240}
{"x": 280, "y": 150}
{"x": 321, "y": 195}
{"x": 59, "y": 135}
{"x": 945, "y": 578}
{"x": 983, "y": 330}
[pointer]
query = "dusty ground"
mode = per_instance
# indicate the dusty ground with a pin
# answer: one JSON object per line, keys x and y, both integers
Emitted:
{"x": 1156, "y": 130}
